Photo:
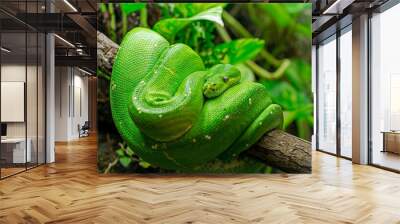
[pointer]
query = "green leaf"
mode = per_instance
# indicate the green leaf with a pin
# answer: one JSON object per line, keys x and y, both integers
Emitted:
{"x": 278, "y": 13}
{"x": 304, "y": 114}
{"x": 191, "y": 9}
{"x": 129, "y": 151}
{"x": 170, "y": 27}
{"x": 240, "y": 50}
{"x": 299, "y": 74}
{"x": 304, "y": 30}
{"x": 303, "y": 129}
{"x": 288, "y": 118}
{"x": 125, "y": 161}
{"x": 295, "y": 8}
{"x": 144, "y": 164}
{"x": 282, "y": 93}
{"x": 103, "y": 7}
{"x": 129, "y": 8}
{"x": 120, "y": 152}
{"x": 200, "y": 7}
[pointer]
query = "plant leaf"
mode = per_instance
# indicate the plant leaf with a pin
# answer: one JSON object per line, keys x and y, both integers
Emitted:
{"x": 279, "y": 13}
{"x": 120, "y": 152}
{"x": 295, "y": 8}
{"x": 125, "y": 161}
{"x": 240, "y": 50}
{"x": 286, "y": 95}
{"x": 170, "y": 27}
{"x": 129, "y": 151}
{"x": 144, "y": 164}
{"x": 288, "y": 118}
{"x": 129, "y": 8}
{"x": 191, "y": 9}
{"x": 299, "y": 75}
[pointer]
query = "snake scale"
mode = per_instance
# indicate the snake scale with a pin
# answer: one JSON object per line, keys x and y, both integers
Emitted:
{"x": 175, "y": 113}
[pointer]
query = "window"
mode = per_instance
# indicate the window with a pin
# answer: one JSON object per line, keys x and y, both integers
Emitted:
{"x": 346, "y": 92}
{"x": 22, "y": 77}
{"x": 385, "y": 89}
{"x": 327, "y": 95}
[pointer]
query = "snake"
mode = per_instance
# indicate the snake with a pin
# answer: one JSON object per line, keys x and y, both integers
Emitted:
{"x": 175, "y": 113}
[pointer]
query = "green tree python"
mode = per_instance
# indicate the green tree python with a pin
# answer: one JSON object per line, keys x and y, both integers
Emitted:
{"x": 175, "y": 113}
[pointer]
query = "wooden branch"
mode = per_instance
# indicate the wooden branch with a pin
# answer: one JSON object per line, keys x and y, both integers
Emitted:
{"x": 277, "y": 148}
{"x": 284, "y": 151}
{"x": 106, "y": 51}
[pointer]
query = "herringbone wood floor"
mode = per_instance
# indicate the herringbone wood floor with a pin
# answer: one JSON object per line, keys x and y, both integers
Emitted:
{"x": 71, "y": 191}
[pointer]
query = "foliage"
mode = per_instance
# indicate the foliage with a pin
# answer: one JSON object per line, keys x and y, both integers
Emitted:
{"x": 171, "y": 26}
{"x": 240, "y": 50}
{"x": 269, "y": 43}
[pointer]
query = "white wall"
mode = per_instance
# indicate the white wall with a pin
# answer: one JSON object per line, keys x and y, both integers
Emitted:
{"x": 16, "y": 73}
{"x": 80, "y": 110}
{"x": 71, "y": 102}
{"x": 62, "y": 81}
{"x": 33, "y": 127}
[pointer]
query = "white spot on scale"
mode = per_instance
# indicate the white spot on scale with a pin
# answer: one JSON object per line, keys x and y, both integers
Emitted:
{"x": 160, "y": 115}
{"x": 247, "y": 145}
{"x": 194, "y": 140}
{"x": 260, "y": 123}
{"x": 207, "y": 137}
{"x": 226, "y": 117}
{"x": 249, "y": 101}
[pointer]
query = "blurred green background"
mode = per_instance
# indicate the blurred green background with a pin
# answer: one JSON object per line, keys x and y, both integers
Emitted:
{"x": 269, "y": 42}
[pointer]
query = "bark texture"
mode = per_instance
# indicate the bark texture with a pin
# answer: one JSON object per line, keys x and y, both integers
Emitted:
{"x": 106, "y": 51}
{"x": 277, "y": 148}
{"x": 284, "y": 151}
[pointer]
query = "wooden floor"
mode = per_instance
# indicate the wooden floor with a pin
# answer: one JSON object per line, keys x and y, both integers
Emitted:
{"x": 71, "y": 191}
{"x": 5, "y": 172}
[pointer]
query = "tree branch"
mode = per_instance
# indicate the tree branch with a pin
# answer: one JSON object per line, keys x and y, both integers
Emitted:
{"x": 277, "y": 148}
{"x": 284, "y": 151}
{"x": 106, "y": 51}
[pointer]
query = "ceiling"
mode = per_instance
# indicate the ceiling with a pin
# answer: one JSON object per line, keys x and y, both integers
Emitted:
{"x": 76, "y": 22}
{"x": 73, "y": 20}
{"x": 328, "y": 15}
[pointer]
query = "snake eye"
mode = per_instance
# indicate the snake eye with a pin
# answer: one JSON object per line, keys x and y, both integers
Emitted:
{"x": 225, "y": 78}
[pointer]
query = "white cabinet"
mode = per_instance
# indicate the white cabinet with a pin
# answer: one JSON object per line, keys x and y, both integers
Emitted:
{"x": 17, "y": 145}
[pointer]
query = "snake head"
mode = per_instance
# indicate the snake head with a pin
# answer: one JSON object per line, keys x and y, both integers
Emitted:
{"x": 219, "y": 78}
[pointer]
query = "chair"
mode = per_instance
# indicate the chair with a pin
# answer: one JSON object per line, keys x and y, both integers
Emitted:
{"x": 84, "y": 130}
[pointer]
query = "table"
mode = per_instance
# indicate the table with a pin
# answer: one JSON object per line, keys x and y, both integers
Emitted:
{"x": 13, "y": 150}
{"x": 391, "y": 141}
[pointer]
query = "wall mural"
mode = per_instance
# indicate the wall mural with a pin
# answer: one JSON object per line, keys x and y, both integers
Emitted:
{"x": 204, "y": 88}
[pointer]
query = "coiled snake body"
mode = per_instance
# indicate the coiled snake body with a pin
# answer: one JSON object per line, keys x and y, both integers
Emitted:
{"x": 176, "y": 114}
